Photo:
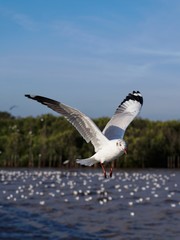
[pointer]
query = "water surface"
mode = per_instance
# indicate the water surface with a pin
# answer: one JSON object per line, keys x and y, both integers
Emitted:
{"x": 81, "y": 204}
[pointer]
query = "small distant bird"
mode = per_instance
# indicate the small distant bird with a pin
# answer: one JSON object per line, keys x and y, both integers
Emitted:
{"x": 108, "y": 144}
{"x": 12, "y": 107}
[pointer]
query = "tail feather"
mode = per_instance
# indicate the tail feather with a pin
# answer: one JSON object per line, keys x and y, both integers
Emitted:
{"x": 86, "y": 161}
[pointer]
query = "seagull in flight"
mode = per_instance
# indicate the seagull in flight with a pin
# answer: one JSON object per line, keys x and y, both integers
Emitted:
{"x": 108, "y": 144}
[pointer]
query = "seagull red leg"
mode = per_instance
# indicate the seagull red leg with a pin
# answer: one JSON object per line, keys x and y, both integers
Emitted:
{"x": 111, "y": 171}
{"x": 104, "y": 171}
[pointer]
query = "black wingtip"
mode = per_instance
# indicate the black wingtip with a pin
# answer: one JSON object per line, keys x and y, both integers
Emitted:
{"x": 41, "y": 99}
{"x": 135, "y": 95}
{"x": 134, "y": 92}
{"x": 30, "y": 96}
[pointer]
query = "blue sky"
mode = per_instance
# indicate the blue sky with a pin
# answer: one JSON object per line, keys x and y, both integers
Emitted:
{"x": 90, "y": 55}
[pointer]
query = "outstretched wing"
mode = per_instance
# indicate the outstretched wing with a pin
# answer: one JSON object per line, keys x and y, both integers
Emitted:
{"x": 85, "y": 126}
{"x": 125, "y": 113}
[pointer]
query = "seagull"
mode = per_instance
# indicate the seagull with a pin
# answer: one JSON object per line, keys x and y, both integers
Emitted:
{"x": 12, "y": 107}
{"x": 108, "y": 144}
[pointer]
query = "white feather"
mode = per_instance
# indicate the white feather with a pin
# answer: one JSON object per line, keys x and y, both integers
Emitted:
{"x": 124, "y": 115}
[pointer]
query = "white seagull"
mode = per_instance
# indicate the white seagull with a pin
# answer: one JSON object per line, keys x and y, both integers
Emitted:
{"x": 108, "y": 144}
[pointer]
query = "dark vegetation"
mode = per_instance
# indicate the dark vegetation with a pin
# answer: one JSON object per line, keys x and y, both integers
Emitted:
{"x": 47, "y": 141}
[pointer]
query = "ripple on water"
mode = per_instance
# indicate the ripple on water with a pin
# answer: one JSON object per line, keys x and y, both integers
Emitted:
{"x": 57, "y": 200}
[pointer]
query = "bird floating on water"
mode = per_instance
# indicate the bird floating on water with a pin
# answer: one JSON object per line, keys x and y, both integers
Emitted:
{"x": 108, "y": 144}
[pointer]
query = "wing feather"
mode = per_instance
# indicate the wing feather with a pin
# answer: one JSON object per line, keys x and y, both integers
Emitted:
{"x": 84, "y": 125}
{"x": 124, "y": 115}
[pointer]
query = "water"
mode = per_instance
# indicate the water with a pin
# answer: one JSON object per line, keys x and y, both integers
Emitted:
{"x": 81, "y": 204}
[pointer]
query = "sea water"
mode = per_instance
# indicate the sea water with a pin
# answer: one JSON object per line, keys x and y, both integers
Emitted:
{"x": 81, "y": 204}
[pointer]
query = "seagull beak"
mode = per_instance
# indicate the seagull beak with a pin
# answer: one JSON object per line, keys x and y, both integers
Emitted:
{"x": 125, "y": 151}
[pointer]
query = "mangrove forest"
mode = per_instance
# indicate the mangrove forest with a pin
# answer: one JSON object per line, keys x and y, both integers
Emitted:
{"x": 48, "y": 141}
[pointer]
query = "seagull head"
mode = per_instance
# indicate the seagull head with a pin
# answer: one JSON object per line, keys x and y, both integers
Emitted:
{"x": 122, "y": 145}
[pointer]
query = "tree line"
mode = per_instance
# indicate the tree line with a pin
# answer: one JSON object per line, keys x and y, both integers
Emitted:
{"x": 48, "y": 141}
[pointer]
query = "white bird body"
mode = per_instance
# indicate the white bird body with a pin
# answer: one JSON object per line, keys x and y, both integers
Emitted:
{"x": 111, "y": 151}
{"x": 109, "y": 144}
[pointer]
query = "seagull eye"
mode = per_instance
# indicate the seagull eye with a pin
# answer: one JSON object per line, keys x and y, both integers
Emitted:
{"x": 119, "y": 144}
